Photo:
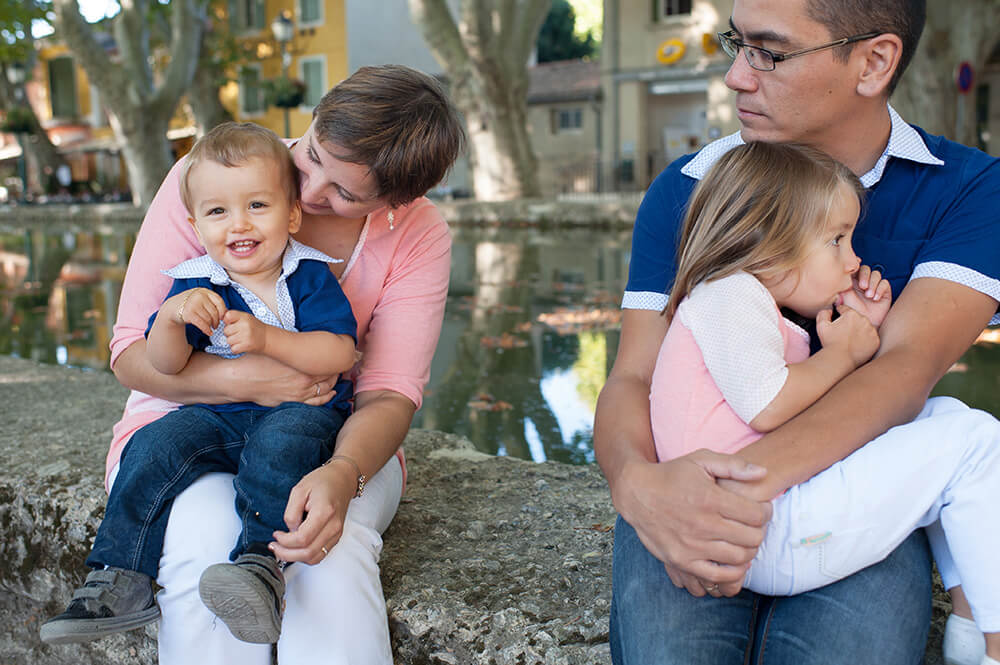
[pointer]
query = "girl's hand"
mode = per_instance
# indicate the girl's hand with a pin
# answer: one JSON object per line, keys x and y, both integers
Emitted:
{"x": 202, "y": 308}
{"x": 244, "y": 332}
{"x": 851, "y": 334}
{"x": 871, "y": 295}
{"x": 317, "y": 507}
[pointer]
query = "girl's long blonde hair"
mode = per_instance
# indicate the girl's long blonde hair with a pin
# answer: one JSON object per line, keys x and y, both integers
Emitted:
{"x": 757, "y": 210}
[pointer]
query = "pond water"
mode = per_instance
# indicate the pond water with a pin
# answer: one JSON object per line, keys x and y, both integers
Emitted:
{"x": 530, "y": 330}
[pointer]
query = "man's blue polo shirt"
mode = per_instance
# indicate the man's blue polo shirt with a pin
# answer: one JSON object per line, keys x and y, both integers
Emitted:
{"x": 932, "y": 209}
{"x": 309, "y": 299}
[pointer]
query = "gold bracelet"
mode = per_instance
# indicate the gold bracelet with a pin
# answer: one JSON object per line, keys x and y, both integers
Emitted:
{"x": 180, "y": 310}
{"x": 362, "y": 479}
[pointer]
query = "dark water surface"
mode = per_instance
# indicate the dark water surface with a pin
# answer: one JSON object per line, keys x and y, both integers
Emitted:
{"x": 530, "y": 330}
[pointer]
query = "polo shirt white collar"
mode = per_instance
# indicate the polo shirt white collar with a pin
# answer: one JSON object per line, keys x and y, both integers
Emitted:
{"x": 904, "y": 143}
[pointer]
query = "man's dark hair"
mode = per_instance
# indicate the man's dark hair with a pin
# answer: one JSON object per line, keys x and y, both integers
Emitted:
{"x": 843, "y": 18}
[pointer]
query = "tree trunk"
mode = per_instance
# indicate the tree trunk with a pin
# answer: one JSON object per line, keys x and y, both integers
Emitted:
{"x": 139, "y": 104}
{"x": 203, "y": 95}
{"x": 485, "y": 56}
{"x": 957, "y": 31}
{"x": 39, "y": 153}
{"x": 146, "y": 151}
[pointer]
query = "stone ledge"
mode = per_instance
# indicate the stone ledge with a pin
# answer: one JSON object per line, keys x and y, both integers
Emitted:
{"x": 489, "y": 560}
{"x": 597, "y": 211}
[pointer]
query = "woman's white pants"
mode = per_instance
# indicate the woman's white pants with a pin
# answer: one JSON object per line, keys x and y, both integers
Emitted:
{"x": 335, "y": 612}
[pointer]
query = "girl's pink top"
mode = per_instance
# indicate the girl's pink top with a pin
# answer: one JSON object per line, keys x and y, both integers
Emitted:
{"x": 396, "y": 280}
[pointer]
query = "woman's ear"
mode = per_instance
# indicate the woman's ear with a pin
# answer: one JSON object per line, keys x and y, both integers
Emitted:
{"x": 295, "y": 218}
{"x": 880, "y": 56}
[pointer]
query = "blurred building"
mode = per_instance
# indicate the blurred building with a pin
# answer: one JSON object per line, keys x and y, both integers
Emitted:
{"x": 662, "y": 73}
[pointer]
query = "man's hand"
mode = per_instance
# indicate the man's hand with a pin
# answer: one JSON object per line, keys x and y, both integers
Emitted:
{"x": 870, "y": 295}
{"x": 704, "y": 534}
{"x": 244, "y": 332}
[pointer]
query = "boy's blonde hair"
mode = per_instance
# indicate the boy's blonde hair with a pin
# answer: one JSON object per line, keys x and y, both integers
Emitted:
{"x": 234, "y": 144}
{"x": 757, "y": 210}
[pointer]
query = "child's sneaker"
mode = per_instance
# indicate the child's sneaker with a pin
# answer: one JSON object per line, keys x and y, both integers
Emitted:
{"x": 247, "y": 595}
{"x": 110, "y": 601}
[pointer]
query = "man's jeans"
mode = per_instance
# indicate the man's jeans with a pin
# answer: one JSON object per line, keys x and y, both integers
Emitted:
{"x": 268, "y": 450}
{"x": 879, "y": 615}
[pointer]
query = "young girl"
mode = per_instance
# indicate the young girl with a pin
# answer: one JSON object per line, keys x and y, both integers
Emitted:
{"x": 770, "y": 227}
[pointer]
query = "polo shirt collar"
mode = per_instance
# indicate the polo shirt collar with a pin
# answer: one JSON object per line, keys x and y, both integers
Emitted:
{"x": 904, "y": 143}
{"x": 204, "y": 267}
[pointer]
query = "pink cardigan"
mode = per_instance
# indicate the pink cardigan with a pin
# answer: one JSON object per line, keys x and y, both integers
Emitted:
{"x": 396, "y": 280}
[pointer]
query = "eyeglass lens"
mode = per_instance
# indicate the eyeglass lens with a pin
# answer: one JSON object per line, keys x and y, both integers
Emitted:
{"x": 756, "y": 58}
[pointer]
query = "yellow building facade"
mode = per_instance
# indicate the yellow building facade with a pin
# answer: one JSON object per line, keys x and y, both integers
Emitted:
{"x": 316, "y": 55}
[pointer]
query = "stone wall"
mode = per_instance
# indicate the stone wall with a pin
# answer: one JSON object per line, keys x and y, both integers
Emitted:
{"x": 489, "y": 560}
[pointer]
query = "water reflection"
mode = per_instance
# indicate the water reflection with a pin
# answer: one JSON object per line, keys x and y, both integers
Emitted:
{"x": 530, "y": 321}
{"x": 530, "y": 330}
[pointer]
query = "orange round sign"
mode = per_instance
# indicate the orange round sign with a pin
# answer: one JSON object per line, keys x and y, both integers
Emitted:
{"x": 670, "y": 51}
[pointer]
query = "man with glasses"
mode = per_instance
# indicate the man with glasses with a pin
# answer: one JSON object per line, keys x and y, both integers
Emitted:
{"x": 817, "y": 72}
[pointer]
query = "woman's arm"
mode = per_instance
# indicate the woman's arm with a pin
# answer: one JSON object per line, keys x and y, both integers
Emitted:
{"x": 209, "y": 379}
{"x": 370, "y": 437}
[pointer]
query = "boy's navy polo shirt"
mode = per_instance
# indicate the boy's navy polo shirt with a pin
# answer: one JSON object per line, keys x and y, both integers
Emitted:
{"x": 318, "y": 303}
{"x": 917, "y": 220}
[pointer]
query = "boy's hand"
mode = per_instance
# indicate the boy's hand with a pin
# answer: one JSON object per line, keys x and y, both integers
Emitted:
{"x": 871, "y": 295}
{"x": 852, "y": 334}
{"x": 244, "y": 333}
{"x": 202, "y": 308}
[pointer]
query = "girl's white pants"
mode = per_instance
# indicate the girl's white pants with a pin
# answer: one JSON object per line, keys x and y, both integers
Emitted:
{"x": 335, "y": 613}
{"x": 941, "y": 471}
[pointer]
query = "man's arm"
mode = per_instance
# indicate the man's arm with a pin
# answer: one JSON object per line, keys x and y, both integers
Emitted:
{"x": 681, "y": 515}
{"x": 929, "y": 327}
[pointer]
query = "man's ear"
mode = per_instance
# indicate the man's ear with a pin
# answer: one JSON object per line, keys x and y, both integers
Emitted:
{"x": 295, "y": 218}
{"x": 880, "y": 56}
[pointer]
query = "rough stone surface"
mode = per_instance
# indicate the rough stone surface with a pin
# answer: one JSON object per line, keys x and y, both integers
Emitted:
{"x": 490, "y": 560}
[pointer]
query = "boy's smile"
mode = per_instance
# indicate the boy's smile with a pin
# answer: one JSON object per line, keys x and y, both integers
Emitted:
{"x": 242, "y": 216}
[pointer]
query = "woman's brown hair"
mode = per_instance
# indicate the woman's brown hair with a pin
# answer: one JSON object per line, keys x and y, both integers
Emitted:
{"x": 397, "y": 121}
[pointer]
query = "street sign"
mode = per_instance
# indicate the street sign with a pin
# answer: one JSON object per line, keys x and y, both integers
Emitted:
{"x": 964, "y": 77}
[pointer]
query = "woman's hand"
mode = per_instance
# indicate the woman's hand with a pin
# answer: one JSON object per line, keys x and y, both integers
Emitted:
{"x": 317, "y": 507}
{"x": 269, "y": 383}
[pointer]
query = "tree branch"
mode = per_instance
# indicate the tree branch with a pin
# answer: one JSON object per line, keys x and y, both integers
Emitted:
{"x": 76, "y": 32}
{"x": 441, "y": 34}
{"x": 187, "y": 23}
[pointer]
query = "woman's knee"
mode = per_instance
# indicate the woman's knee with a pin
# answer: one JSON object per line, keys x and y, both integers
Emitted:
{"x": 202, "y": 527}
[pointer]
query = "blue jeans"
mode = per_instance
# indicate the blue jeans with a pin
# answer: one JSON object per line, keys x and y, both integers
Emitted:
{"x": 879, "y": 615}
{"x": 268, "y": 450}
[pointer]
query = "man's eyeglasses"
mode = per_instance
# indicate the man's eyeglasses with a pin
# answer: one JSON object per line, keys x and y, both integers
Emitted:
{"x": 764, "y": 60}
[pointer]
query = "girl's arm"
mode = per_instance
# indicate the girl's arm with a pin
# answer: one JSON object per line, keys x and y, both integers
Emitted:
{"x": 848, "y": 343}
{"x": 808, "y": 381}
{"x": 317, "y": 352}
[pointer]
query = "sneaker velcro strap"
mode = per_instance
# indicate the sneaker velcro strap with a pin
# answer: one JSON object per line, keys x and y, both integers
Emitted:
{"x": 90, "y": 592}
